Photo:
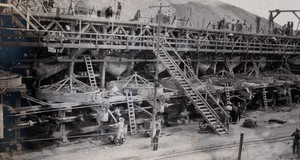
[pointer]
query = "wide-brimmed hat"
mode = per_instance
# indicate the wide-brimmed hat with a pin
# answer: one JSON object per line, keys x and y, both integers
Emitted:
{"x": 121, "y": 119}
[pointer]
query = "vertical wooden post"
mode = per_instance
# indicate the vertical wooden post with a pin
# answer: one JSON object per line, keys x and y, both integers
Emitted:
{"x": 17, "y": 121}
{"x": 1, "y": 98}
{"x": 241, "y": 146}
{"x": 132, "y": 63}
{"x": 71, "y": 70}
{"x": 1, "y": 122}
{"x": 28, "y": 19}
{"x": 103, "y": 67}
{"x": 197, "y": 67}
{"x": 62, "y": 115}
{"x": 104, "y": 31}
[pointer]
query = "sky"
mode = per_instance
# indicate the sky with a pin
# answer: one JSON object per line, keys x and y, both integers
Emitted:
{"x": 261, "y": 8}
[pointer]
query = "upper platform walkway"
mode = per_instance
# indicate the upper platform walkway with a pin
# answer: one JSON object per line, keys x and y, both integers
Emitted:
{"x": 39, "y": 29}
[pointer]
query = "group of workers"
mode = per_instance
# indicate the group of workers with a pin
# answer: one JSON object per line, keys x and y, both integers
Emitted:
{"x": 234, "y": 25}
{"x": 120, "y": 130}
{"x": 120, "y": 137}
{"x": 48, "y": 3}
{"x": 72, "y": 10}
{"x": 109, "y": 12}
{"x": 287, "y": 29}
{"x": 234, "y": 112}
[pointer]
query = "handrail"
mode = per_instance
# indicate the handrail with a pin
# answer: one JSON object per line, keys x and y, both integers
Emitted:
{"x": 197, "y": 29}
{"x": 22, "y": 15}
{"x": 29, "y": 14}
{"x": 222, "y": 45}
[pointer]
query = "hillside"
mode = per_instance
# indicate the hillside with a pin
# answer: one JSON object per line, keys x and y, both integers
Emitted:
{"x": 202, "y": 10}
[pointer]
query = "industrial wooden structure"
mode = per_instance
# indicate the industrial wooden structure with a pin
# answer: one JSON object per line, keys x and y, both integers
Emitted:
{"x": 78, "y": 39}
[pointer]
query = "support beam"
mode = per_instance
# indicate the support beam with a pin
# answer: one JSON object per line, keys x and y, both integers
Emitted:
{"x": 62, "y": 128}
{"x": 17, "y": 138}
{"x": 103, "y": 74}
{"x": 71, "y": 71}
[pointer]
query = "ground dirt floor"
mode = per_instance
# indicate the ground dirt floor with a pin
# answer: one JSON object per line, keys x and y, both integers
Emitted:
{"x": 268, "y": 141}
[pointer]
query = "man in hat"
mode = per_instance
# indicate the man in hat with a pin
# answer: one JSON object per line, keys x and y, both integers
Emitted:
{"x": 119, "y": 8}
{"x": 155, "y": 136}
{"x": 120, "y": 126}
{"x": 230, "y": 112}
{"x": 296, "y": 136}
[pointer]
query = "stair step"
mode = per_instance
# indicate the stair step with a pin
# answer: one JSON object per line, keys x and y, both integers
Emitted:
{"x": 212, "y": 120}
{"x": 189, "y": 90}
{"x": 223, "y": 132}
{"x": 220, "y": 129}
{"x": 202, "y": 107}
{"x": 206, "y": 112}
{"x": 209, "y": 116}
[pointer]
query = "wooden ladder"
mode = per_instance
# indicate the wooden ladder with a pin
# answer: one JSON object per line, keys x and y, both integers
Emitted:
{"x": 265, "y": 99}
{"x": 229, "y": 66}
{"x": 190, "y": 70}
{"x": 131, "y": 114}
{"x": 90, "y": 70}
{"x": 256, "y": 69}
{"x": 227, "y": 93}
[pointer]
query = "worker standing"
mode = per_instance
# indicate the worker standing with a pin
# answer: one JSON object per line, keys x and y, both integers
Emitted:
{"x": 155, "y": 136}
{"x": 72, "y": 8}
{"x": 221, "y": 24}
{"x": 238, "y": 26}
{"x": 119, "y": 8}
{"x": 232, "y": 25}
{"x": 109, "y": 12}
{"x": 99, "y": 13}
{"x": 120, "y": 134}
{"x": 45, "y": 3}
{"x": 291, "y": 28}
{"x": 296, "y": 146}
{"x": 137, "y": 16}
{"x": 245, "y": 26}
{"x": 283, "y": 29}
{"x": 239, "y": 111}
{"x": 51, "y": 3}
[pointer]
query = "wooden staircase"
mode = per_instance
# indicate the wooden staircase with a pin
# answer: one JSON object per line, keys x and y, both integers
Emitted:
{"x": 25, "y": 14}
{"x": 200, "y": 103}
